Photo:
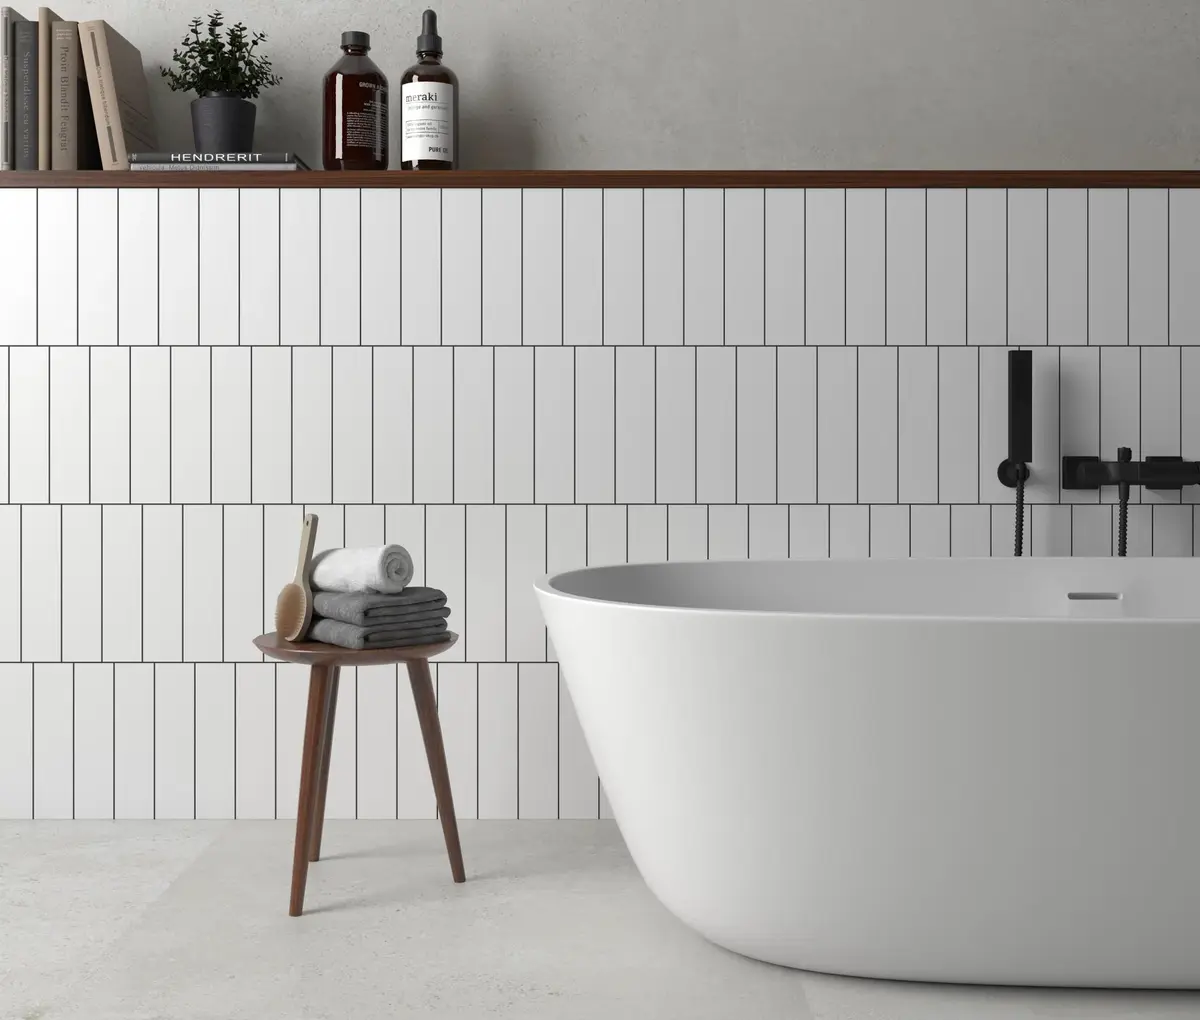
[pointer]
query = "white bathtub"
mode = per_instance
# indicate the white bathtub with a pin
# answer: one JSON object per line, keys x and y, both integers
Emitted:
{"x": 940, "y": 770}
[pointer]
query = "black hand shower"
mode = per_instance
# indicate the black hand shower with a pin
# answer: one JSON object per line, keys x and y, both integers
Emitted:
{"x": 1015, "y": 469}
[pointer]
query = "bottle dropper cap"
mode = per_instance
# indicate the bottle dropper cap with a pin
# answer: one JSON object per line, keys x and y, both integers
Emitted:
{"x": 359, "y": 39}
{"x": 429, "y": 41}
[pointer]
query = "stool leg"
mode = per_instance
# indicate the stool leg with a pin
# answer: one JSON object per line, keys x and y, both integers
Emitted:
{"x": 318, "y": 826}
{"x": 431, "y": 730}
{"x": 314, "y": 726}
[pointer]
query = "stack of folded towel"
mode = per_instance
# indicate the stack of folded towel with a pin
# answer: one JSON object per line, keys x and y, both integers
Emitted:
{"x": 362, "y": 599}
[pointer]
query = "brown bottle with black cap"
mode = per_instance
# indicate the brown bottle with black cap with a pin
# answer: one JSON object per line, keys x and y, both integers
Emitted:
{"x": 429, "y": 106}
{"x": 355, "y": 130}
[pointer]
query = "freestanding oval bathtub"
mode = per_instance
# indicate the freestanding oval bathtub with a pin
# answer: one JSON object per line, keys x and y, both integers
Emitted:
{"x": 939, "y": 770}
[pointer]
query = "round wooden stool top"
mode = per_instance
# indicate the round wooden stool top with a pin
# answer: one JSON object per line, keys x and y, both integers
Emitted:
{"x": 316, "y": 653}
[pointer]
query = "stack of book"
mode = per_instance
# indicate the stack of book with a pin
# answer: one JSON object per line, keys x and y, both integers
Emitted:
{"x": 216, "y": 161}
{"x": 73, "y": 95}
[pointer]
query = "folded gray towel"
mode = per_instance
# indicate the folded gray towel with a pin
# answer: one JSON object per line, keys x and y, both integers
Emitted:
{"x": 367, "y": 608}
{"x": 348, "y": 635}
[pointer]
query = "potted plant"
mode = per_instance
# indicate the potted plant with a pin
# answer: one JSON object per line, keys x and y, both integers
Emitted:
{"x": 225, "y": 72}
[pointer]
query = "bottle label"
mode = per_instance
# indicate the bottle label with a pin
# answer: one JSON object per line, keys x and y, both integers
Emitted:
{"x": 428, "y": 121}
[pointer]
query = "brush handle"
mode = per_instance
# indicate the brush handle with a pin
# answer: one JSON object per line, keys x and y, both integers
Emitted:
{"x": 308, "y": 536}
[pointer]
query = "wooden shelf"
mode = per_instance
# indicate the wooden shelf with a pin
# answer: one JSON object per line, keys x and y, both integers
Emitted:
{"x": 611, "y": 179}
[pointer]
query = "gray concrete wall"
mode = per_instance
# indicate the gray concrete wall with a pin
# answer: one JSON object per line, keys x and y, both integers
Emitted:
{"x": 580, "y": 84}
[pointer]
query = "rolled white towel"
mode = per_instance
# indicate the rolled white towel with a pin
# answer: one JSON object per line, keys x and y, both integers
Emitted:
{"x": 385, "y": 568}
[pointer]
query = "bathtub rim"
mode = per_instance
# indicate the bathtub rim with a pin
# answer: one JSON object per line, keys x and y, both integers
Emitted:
{"x": 544, "y": 585}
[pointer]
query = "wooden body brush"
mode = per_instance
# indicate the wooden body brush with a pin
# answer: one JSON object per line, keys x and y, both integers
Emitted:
{"x": 293, "y": 609}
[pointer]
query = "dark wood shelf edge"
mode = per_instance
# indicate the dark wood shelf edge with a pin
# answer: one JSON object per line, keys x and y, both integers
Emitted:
{"x": 611, "y": 179}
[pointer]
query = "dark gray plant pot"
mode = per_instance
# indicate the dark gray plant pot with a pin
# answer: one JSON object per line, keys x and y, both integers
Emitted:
{"x": 223, "y": 122}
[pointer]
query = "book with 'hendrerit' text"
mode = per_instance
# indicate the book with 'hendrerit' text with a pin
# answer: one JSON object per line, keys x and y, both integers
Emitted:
{"x": 216, "y": 161}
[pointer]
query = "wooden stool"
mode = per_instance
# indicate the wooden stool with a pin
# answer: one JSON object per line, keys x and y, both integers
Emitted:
{"x": 326, "y": 662}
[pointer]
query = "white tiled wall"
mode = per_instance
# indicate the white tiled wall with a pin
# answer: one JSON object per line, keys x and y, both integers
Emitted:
{"x": 511, "y": 382}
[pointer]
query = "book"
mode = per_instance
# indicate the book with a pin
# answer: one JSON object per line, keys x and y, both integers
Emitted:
{"x": 25, "y": 54}
{"x": 119, "y": 94}
{"x": 45, "y": 90}
{"x": 215, "y": 167}
{"x": 74, "y": 145}
{"x": 237, "y": 159}
{"x": 8, "y": 69}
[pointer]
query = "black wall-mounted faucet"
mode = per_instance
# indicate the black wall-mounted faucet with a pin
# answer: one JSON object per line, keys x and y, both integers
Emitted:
{"x": 1014, "y": 470}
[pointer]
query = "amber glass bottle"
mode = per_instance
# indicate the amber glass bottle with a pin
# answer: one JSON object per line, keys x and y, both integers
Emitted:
{"x": 355, "y": 130}
{"x": 429, "y": 106}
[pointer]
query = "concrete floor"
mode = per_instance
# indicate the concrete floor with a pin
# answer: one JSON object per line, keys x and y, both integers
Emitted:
{"x": 187, "y": 921}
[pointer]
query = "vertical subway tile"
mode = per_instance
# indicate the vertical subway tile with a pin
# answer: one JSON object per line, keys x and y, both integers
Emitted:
{"x": 1160, "y": 427}
{"x": 420, "y": 266}
{"x": 566, "y": 544}
{"x": 526, "y": 552}
{"x": 958, "y": 426}
{"x": 578, "y": 785}
{"x": 57, "y": 251}
{"x": 258, "y": 263}
{"x": 755, "y": 428}
{"x": 784, "y": 270}
{"x": 137, "y": 263}
{"x": 878, "y": 422}
{"x": 16, "y": 740}
{"x": 647, "y": 534}
{"x": 993, "y": 424}
{"x": 191, "y": 424}
{"x": 703, "y": 266}
{"x": 174, "y": 740}
{"x": 300, "y": 266}
{"x": 364, "y": 525}
{"x": 18, "y": 272}
{"x": 121, "y": 571}
{"x": 687, "y": 532}
{"x": 1079, "y": 415}
{"x": 1171, "y": 530}
{"x": 716, "y": 426}
{"x": 341, "y": 803}
{"x": 946, "y": 266}
{"x": 53, "y": 750}
{"x": 745, "y": 294}
{"x": 1108, "y": 266}
{"x": 81, "y": 561}
{"x": 29, "y": 417}
{"x": 353, "y": 452}
{"x": 1050, "y": 531}
{"x": 970, "y": 530}
{"x": 808, "y": 532}
{"x": 930, "y": 531}
{"x": 203, "y": 541}
{"x": 623, "y": 253}
{"x": 392, "y": 424}
{"x": 231, "y": 449}
{"x": 502, "y": 245}
{"x": 290, "y": 688}
{"x": 242, "y": 594}
{"x": 537, "y": 740}
{"x": 331, "y": 531}
{"x": 458, "y": 713}
{"x": 109, "y": 425}
{"x": 1092, "y": 531}
{"x": 380, "y": 285}
{"x": 890, "y": 529}
{"x": 280, "y": 529}
{"x": 218, "y": 267}
{"x": 69, "y": 421}
{"x": 150, "y": 416}
{"x": 214, "y": 740}
{"x": 662, "y": 266}
{"x": 97, "y": 301}
{"x": 675, "y": 425}
{"x": 474, "y": 385}
{"x": 162, "y": 583}
{"x": 595, "y": 424}
{"x": 1139, "y": 531}
{"x": 1067, "y": 266}
{"x": 917, "y": 424}
{"x": 341, "y": 266}
{"x": 837, "y": 426}
{"x": 1027, "y": 309}
{"x": 1148, "y": 231}
{"x": 728, "y": 532}
{"x": 796, "y": 431}
{"x": 636, "y": 410}
{"x": 41, "y": 583}
{"x": 376, "y": 747}
{"x": 93, "y": 745}
{"x": 514, "y": 444}
{"x": 560, "y": 267}
{"x": 1183, "y": 255}
{"x": 462, "y": 273}
{"x": 414, "y": 794}
{"x": 485, "y": 584}
{"x": 769, "y": 532}
{"x": 254, "y": 740}
{"x": 987, "y": 266}
{"x": 825, "y": 266}
{"x": 849, "y": 531}
{"x": 1189, "y": 414}
{"x": 607, "y": 539}
{"x": 271, "y": 425}
{"x": 1004, "y": 531}
{"x": 4, "y": 425}
{"x": 866, "y": 266}
{"x": 498, "y": 752}
{"x": 905, "y": 270}
{"x": 1120, "y": 398}
{"x": 312, "y": 425}
{"x": 554, "y": 426}
{"x": 405, "y": 525}
{"x": 133, "y": 740}
{"x": 179, "y": 275}
{"x": 1045, "y": 472}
